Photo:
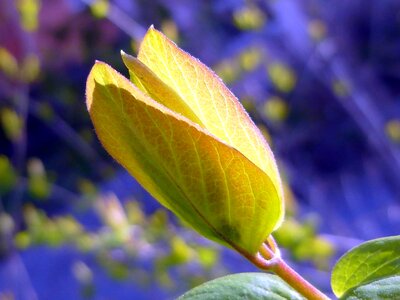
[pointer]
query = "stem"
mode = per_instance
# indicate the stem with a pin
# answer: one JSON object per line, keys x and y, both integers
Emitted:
{"x": 269, "y": 259}
{"x": 297, "y": 282}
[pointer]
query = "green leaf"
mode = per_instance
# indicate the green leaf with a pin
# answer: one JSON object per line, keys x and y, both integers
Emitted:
{"x": 12, "y": 124}
{"x": 149, "y": 83}
{"x": 211, "y": 101}
{"x": 365, "y": 263}
{"x": 249, "y": 286}
{"x": 8, "y": 176}
{"x": 206, "y": 182}
{"x": 387, "y": 288}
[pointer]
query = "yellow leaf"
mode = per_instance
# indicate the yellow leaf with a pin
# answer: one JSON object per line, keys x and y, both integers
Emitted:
{"x": 203, "y": 179}
{"x": 149, "y": 83}
{"x": 213, "y": 103}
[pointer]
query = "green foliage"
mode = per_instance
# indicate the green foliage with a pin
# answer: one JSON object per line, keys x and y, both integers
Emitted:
{"x": 8, "y": 176}
{"x": 367, "y": 263}
{"x": 8, "y": 63}
{"x": 26, "y": 71}
{"x": 228, "y": 70}
{"x": 100, "y": 8}
{"x": 392, "y": 129}
{"x": 301, "y": 238}
{"x": 386, "y": 288}
{"x": 275, "y": 109}
{"x": 42, "y": 230}
{"x": 282, "y": 76}
{"x": 38, "y": 185}
{"x": 303, "y": 242}
{"x": 84, "y": 276}
{"x": 12, "y": 123}
{"x": 364, "y": 273}
{"x": 138, "y": 236}
{"x": 250, "y": 58}
{"x": 30, "y": 68}
{"x": 250, "y": 286}
{"x": 207, "y": 257}
{"x": 249, "y": 18}
{"x": 29, "y": 11}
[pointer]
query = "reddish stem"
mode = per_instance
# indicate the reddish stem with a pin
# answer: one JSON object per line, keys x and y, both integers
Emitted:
{"x": 269, "y": 259}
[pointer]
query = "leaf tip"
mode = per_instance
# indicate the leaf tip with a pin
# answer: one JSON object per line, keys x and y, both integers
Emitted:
{"x": 126, "y": 58}
{"x": 152, "y": 31}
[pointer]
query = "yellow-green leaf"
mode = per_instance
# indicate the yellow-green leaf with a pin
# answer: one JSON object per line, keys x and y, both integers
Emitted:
{"x": 213, "y": 103}
{"x": 368, "y": 262}
{"x": 149, "y": 83}
{"x": 202, "y": 178}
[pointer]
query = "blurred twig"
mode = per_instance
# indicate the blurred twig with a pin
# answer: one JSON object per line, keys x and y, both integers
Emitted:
{"x": 28, "y": 288}
{"x": 122, "y": 21}
{"x": 356, "y": 103}
{"x": 68, "y": 134}
{"x": 342, "y": 243}
{"x": 58, "y": 192}
{"x": 361, "y": 107}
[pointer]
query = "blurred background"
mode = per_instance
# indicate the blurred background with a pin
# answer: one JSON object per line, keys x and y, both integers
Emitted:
{"x": 320, "y": 78}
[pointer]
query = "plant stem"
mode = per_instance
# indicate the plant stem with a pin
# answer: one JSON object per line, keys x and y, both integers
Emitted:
{"x": 297, "y": 282}
{"x": 269, "y": 259}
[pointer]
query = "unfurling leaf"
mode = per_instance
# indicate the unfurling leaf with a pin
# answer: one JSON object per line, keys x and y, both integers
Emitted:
{"x": 188, "y": 141}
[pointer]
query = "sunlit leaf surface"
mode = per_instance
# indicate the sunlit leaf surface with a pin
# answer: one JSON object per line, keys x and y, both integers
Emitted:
{"x": 208, "y": 183}
{"x": 204, "y": 92}
{"x": 368, "y": 262}
{"x": 149, "y": 83}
